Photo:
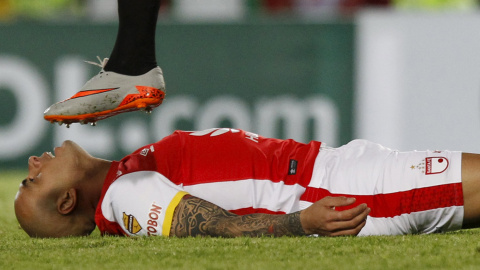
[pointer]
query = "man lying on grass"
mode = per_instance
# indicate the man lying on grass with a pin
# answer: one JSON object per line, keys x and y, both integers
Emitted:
{"x": 228, "y": 182}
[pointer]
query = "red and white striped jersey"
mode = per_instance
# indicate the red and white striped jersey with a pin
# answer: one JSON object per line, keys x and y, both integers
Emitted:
{"x": 237, "y": 170}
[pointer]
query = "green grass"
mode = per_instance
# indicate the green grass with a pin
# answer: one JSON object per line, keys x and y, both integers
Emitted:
{"x": 457, "y": 250}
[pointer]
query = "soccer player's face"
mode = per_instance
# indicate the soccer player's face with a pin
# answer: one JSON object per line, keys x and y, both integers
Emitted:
{"x": 50, "y": 172}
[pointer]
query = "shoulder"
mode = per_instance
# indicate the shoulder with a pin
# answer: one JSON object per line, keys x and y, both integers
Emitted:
{"x": 137, "y": 201}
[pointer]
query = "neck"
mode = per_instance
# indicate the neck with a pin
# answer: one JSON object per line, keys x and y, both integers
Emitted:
{"x": 91, "y": 188}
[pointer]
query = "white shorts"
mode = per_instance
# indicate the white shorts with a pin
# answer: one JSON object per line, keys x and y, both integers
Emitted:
{"x": 408, "y": 192}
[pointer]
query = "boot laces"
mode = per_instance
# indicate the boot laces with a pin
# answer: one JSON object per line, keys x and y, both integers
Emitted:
{"x": 102, "y": 63}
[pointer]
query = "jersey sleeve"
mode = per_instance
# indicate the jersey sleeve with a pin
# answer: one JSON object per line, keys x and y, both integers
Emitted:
{"x": 142, "y": 203}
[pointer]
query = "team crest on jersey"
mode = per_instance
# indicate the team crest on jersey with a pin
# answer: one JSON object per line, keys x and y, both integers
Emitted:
{"x": 435, "y": 165}
{"x": 432, "y": 165}
{"x": 131, "y": 223}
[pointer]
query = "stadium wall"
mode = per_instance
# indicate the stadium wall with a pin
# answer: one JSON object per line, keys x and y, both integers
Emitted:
{"x": 287, "y": 79}
{"x": 418, "y": 79}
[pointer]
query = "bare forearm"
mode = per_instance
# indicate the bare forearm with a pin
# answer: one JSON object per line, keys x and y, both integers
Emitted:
{"x": 258, "y": 225}
{"x": 195, "y": 216}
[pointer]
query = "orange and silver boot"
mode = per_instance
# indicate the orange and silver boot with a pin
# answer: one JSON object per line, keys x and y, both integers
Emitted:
{"x": 108, "y": 94}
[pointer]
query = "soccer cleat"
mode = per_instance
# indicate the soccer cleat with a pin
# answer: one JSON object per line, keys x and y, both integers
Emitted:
{"x": 108, "y": 94}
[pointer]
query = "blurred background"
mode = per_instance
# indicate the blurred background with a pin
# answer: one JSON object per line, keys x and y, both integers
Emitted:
{"x": 404, "y": 73}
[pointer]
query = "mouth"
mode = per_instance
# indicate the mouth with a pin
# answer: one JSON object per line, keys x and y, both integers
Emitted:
{"x": 50, "y": 154}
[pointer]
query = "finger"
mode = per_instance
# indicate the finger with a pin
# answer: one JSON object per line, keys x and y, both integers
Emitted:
{"x": 338, "y": 201}
{"x": 354, "y": 225}
{"x": 354, "y": 231}
{"x": 349, "y": 214}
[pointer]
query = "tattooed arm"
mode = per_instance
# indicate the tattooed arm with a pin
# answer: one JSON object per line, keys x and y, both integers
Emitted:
{"x": 194, "y": 216}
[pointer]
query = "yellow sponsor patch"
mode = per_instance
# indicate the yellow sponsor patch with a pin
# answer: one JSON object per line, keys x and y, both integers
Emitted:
{"x": 131, "y": 223}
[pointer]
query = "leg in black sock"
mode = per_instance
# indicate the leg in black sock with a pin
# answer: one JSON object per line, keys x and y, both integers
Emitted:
{"x": 134, "y": 51}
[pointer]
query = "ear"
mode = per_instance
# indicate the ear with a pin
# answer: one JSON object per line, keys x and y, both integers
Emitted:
{"x": 67, "y": 201}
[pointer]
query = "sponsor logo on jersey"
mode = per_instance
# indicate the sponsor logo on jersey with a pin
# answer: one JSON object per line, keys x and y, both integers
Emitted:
{"x": 292, "y": 167}
{"x": 145, "y": 151}
{"x": 435, "y": 165}
{"x": 153, "y": 216}
{"x": 131, "y": 223}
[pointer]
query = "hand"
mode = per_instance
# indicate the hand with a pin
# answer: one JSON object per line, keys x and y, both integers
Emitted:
{"x": 321, "y": 217}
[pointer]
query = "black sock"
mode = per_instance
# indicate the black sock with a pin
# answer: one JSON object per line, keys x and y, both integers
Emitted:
{"x": 134, "y": 51}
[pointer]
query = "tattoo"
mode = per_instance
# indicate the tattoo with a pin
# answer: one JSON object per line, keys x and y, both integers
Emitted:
{"x": 196, "y": 217}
